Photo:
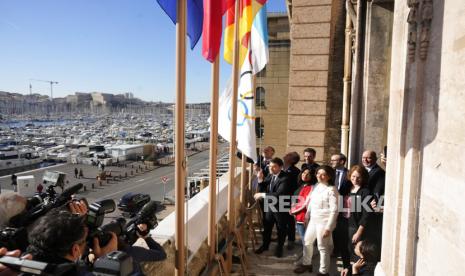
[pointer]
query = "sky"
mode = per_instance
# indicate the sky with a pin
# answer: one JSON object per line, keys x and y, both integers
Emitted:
{"x": 111, "y": 46}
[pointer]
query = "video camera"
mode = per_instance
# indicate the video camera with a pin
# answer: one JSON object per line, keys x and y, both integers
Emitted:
{"x": 16, "y": 236}
{"x": 114, "y": 263}
{"x": 128, "y": 231}
{"x": 147, "y": 215}
{"x": 95, "y": 216}
{"x": 38, "y": 207}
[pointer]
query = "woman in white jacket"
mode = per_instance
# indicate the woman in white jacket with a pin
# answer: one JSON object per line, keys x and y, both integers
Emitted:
{"x": 322, "y": 210}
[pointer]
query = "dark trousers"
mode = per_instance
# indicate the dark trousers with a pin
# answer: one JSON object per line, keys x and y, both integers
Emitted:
{"x": 290, "y": 228}
{"x": 341, "y": 240}
{"x": 281, "y": 221}
{"x": 352, "y": 230}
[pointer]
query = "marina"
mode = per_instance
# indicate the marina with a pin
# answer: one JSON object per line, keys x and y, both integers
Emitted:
{"x": 93, "y": 139}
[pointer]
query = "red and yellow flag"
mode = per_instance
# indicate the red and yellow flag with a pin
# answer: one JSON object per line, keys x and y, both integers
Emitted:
{"x": 248, "y": 10}
{"x": 213, "y": 11}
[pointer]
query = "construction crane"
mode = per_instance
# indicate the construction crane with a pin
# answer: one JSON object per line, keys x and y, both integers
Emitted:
{"x": 51, "y": 86}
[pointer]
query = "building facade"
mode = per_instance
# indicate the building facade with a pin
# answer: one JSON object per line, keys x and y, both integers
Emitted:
{"x": 272, "y": 88}
{"x": 396, "y": 80}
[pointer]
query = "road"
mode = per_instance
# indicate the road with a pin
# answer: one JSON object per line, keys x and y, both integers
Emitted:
{"x": 149, "y": 182}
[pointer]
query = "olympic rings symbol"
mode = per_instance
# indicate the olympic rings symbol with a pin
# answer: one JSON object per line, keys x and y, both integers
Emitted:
{"x": 243, "y": 110}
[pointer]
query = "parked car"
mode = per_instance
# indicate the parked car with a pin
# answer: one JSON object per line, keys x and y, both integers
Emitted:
{"x": 132, "y": 202}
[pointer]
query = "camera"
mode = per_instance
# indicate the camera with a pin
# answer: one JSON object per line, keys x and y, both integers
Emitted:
{"x": 95, "y": 217}
{"x": 147, "y": 215}
{"x": 39, "y": 206}
{"x": 115, "y": 263}
{"x": 13, "y": 237}
{"x": 16, "y": 235}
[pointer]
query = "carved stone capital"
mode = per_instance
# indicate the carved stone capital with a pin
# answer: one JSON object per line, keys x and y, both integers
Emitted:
{"x": 426, "y": 18}
{"x": 412, "y": 28}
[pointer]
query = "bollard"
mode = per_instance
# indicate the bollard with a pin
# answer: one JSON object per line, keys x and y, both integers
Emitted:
{"x": 126, "y": 174}
{"x": 137, "y": 170}
{"x": 85, "y": 188}
{"x": 93, "y": 186}
{"x": 132, "y": 166}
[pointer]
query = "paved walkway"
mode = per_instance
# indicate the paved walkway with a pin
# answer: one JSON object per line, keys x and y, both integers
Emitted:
{"x": 267, "y": 264}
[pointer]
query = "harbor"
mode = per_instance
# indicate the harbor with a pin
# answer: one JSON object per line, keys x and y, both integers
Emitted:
{"x": 93, "y": 139}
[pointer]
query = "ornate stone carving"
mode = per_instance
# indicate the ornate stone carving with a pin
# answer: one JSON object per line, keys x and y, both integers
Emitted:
{"x": 412, "y": 28}
{"x": 426, "y": 17}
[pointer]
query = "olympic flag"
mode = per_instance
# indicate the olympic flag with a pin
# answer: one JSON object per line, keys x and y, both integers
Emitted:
{"x": 245, "y": 113}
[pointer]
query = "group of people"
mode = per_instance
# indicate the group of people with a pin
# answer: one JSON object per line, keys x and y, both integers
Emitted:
{"x": 339, "y": 208}
{"x": 62, "y": 237}
{"x": 78, "y": 173}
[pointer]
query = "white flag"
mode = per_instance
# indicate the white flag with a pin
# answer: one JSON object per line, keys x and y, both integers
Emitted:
{"x": 245, "y": 135}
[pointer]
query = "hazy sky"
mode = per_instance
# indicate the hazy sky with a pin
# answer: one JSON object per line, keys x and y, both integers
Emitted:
{"x": 112, "y": 46}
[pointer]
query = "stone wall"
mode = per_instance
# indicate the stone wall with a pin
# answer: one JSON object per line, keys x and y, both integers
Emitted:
{"x": 334, "y": 97}
{"x": 376, "y": 76}
{"x": 316, "y": 61}
{"x": 424, "y": 226}
{"x": 275, "y": 81}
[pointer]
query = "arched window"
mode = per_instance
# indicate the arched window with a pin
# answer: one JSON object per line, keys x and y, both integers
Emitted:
{"x": 260, "y": 96}
{"x": 259, "y": 127}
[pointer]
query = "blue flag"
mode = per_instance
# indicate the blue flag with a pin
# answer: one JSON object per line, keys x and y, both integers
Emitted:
{"x": 194, "y": 17}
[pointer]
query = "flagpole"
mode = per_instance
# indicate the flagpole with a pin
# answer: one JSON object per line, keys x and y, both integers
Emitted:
{"x": 243, "y": 178}
{"x": 233, "y": 145}
{"x": 180, "y": 162}
{"x": 254, "y": 90}
{"x": 213, "y": 157}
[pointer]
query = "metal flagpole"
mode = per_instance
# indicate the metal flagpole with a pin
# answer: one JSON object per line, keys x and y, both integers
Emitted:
{"x": 213, "y": 157}
{"x": 180, "y": 161}
{"x": 233, "y": 143}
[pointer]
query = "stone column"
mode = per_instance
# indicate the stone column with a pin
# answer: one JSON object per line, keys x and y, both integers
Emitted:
{"x": 377, "y": 63}
{"x": 423, "y": 220}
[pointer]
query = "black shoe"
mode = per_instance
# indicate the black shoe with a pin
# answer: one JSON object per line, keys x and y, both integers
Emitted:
{"x": 278, "y": 253}
{"x": 321, "y": 274}
{"x": 302, "y": 268}
{"x": 261, "y": 249}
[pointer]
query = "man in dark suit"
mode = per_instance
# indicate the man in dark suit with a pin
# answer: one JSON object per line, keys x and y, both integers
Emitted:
{"x": 377, "y": 175}
{"x": 290, "y": 160}
{"x": 376, "y": 183}
{"x": 338, "y": 162}
{"x": 274, "y": 188}
{"x": 264, "y": 160}
{"x": 340, "y": 233}
{"x": 309, "y": 158}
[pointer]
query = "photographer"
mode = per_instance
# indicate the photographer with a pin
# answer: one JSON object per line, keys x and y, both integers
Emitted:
{"x": 60, "y": 237}
{"x": 141, "y": 254}
{"x": 11, "y": 204}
